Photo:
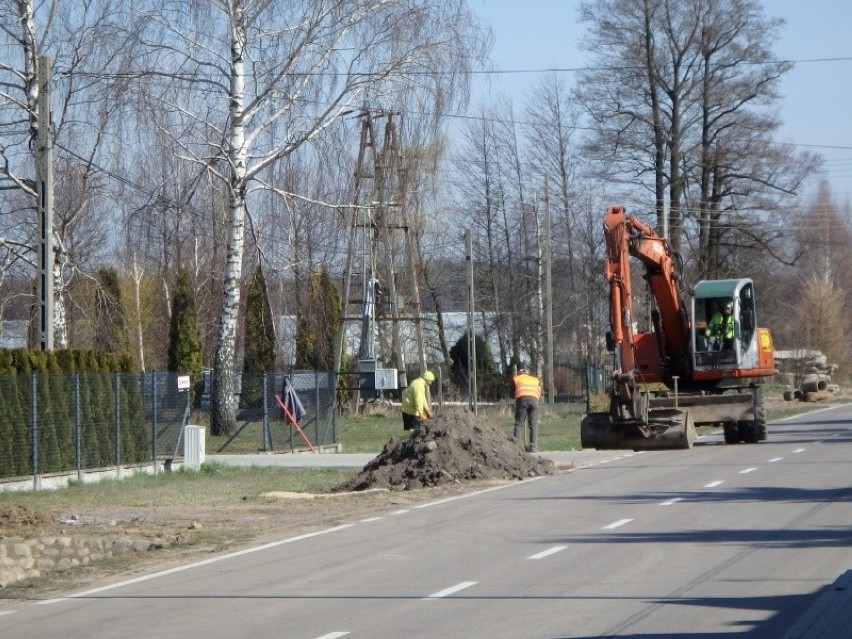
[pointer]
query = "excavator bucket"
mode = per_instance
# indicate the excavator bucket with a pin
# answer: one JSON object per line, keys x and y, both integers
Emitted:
{"x": 666, "y": 429}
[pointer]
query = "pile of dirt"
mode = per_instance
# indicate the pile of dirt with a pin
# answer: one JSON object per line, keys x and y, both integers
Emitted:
{"x": 455, "y": 445}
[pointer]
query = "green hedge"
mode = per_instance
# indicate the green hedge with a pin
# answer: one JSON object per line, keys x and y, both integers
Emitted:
{"x": 94, "y": 394}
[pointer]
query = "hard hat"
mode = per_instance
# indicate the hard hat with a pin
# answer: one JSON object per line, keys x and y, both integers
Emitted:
{"x": 429, "y": 376}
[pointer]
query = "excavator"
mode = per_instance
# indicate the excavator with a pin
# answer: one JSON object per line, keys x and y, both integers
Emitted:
{"x": 691, "y": 368}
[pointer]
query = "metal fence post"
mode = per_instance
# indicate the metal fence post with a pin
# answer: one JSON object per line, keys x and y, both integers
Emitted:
{"x": 117, "y": 401}
{"x": 78, "y": 443}
{"x": 265, "y": 434}
{"x": 317, "y": 406}
{"x": 34, "y": 423}
{"x": 154, "y": 421}
{"x": 334, "y": 381}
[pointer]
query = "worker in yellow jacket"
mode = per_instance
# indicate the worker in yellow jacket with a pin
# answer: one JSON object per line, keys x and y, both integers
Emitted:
{"x": 415, "y": 404}
{"x": 527, "y": 395}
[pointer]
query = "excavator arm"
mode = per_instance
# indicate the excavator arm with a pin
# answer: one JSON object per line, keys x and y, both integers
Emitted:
{"x": 632, "y": 421}
{"x": 626, "y": 237}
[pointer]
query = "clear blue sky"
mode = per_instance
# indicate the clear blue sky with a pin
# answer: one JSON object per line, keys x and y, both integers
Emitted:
{"x": 816, "y": 107}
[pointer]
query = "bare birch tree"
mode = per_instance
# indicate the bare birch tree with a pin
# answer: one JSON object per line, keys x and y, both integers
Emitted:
{"x": 233, "y": 70}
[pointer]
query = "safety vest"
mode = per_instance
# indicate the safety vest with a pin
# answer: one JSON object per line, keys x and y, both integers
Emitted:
{"x": 721, "y": 325}
{"x": 527, "y": 386}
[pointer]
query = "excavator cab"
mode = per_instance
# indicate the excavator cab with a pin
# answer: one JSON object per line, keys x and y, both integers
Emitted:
{"x": 724, "y": 325}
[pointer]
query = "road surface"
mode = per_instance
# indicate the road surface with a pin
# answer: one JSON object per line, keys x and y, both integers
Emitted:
{"x": 717, "y": 541}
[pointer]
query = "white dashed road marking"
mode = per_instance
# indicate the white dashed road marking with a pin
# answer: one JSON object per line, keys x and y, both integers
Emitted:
{"x": 451, "y": 590}
{"x": 746, "y": 471}
{"x": 617, "y": 524}
{"x": 799, "y": 450}
{"x": 548, "y": 552}
{"x": 671, "y": 501}
{"x": 333, "y": 635}
{"x": 713, "y": 484}
{"x": 775, "y": 459}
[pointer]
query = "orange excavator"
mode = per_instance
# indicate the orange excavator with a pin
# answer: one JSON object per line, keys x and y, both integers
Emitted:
{"x": 702, "y": 361}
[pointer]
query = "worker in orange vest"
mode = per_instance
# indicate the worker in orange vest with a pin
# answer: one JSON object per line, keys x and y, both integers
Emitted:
{"x": 527, "y": 395}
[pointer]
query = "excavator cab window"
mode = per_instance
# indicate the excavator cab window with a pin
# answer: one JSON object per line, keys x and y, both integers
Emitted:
{"x": 713, "y": 328}
{"x": 702, "y": 319}
{"x": 747, "y": 321}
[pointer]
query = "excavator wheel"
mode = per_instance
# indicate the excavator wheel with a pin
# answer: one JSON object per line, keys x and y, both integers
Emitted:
{"x": 762, "y": 432}
{"x": 760, "y": 416}
{"x": 747, "y": 431}
{"x": 732, "y": 433}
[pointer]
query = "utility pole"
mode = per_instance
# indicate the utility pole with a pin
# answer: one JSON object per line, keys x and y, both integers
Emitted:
{"x": 353, "y": 222}
{"x": 548, "y": 291}
{"x": 540, "y": 337}
{"x": 44, "y": 190}
{"x": 471, "y": 332}
{"x": 410, "y": 248}
{"x": 388, "y": 199}
{"x": 378, "y": 211}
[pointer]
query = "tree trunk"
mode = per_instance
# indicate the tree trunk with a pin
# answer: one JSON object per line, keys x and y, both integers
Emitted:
{"x": 223, "y": 402}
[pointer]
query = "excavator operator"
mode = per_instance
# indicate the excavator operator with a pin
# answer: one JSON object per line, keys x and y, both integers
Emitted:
{"x": 721, "y": 327}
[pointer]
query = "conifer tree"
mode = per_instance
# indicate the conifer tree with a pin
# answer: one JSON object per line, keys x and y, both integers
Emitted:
{"x": 184, "y": 336}
{"x": 319, "y": 321}
{"x": 111, "y": 315}
{"x": 259, "y": 347}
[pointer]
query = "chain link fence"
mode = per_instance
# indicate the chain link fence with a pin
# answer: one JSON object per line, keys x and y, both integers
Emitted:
{"x": 62, "y": 422}
{"x": 261, "y": 417}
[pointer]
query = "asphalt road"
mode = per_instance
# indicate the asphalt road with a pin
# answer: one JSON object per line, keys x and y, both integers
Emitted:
{"x": 713, "y": 542}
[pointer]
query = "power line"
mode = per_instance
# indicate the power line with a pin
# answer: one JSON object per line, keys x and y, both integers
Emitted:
{"x": 478, "y": 72}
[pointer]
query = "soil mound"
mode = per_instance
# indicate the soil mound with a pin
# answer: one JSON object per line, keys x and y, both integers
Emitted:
{"x": 453, "y": 446}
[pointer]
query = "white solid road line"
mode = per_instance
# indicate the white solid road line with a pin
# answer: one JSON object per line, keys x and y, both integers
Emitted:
{"x": 548, "y": 552}
{"x": 616, "y": 524}
{"x": 196, "y": 564}
{"x": 478, "y": 492}
{"x": 449, "y": 591}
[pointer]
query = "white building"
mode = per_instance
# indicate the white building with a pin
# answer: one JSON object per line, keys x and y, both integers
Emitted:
{"x": 455, "y": 326}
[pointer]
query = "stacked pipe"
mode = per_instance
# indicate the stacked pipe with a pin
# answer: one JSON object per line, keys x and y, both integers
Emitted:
{"x": 814, "y": 387}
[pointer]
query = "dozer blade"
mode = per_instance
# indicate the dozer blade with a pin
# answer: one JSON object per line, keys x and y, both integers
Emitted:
{"x": 666, "y": 429}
